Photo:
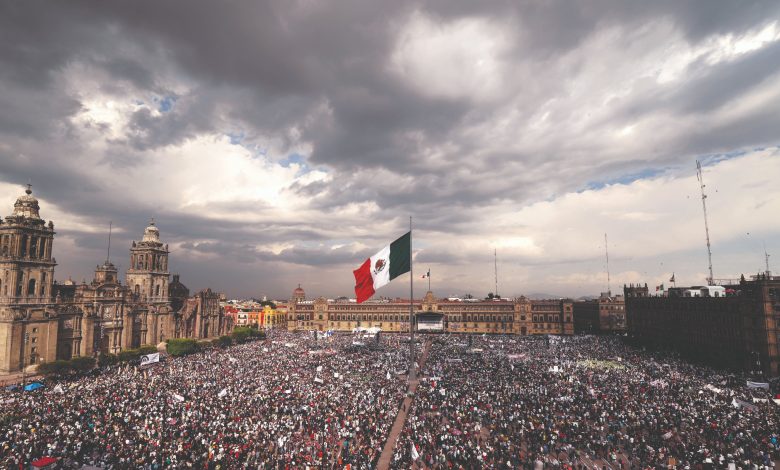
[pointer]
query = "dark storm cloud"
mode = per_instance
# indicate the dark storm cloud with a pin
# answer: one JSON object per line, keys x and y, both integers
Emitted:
{"x": 315, "y": 75}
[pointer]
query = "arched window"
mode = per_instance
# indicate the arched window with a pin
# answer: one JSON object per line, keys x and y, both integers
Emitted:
{"x": 157, "y": 291}
{"x": 137, "y": 289}
{"x": 31, "y": 288}
{"x": 24, "y": 246}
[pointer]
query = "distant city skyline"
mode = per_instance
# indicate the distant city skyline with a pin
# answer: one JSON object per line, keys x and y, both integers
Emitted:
{"x": 283, "y": 143}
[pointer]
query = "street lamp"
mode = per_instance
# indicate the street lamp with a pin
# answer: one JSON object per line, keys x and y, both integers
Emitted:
{"x": 24, "y": 356}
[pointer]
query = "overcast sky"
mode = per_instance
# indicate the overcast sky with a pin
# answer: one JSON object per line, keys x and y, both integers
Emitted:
{"x": 283, "y": 142}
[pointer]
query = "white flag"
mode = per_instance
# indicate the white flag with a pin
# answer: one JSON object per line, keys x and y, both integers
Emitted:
{"x": 388, "y": 375}
{"x": 319, "y": 368}
{"x": 415, "y": 455}
{"x": 59, "y": 389}
{"x": 319, "y": 380}
{"x": 222, "y": 393}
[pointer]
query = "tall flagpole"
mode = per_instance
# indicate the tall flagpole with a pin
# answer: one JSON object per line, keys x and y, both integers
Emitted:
{"x": 411, "y": 307}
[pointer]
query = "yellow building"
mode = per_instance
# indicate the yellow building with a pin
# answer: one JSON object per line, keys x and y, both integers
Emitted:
{"x": 520, "y": 316}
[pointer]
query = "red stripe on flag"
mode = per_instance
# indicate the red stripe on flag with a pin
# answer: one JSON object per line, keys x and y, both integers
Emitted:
{"x": 364, "y": 283}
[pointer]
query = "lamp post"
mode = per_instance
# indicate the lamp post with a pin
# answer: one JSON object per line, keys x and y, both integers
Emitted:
{"x": 24, "y": 356}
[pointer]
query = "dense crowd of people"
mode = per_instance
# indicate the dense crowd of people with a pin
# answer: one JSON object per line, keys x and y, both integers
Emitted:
{"x": 291, "y": 401}
{"x": 299, "y": 401}
{"x": 592, "y": 402}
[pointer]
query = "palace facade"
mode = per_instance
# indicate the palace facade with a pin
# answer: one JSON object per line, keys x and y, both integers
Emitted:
{"x": 519, "y": 316}
{"x": 43, "y": 321}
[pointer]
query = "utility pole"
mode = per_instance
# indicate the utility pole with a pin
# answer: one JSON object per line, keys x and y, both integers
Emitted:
{"x": 699, "y": 176}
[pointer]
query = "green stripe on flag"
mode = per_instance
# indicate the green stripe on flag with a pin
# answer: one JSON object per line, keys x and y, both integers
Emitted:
{"x": 399, "y": 255}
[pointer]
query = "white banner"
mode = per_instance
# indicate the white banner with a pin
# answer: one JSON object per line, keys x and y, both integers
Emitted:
{"x": 757, "y": 385}
{"x": 150, "y": 359}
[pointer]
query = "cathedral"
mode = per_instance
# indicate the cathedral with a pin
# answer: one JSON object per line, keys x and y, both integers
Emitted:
{"x": 43, "y": 321}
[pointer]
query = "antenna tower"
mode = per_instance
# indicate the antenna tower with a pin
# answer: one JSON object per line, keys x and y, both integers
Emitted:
{"x": 706, "y": 226}
{"x": 606, "y": 250}
{"x": 766, "y": 259}
{"x": 495, "y": 269}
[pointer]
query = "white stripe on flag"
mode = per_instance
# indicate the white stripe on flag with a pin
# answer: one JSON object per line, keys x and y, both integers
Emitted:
{"x": 381, "y": 276}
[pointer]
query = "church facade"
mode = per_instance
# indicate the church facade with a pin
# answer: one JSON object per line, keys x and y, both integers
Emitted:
{"x": 43, "y": 321}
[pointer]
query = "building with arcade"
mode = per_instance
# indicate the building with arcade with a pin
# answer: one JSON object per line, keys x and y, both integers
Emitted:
{"x": 520, "y": 316}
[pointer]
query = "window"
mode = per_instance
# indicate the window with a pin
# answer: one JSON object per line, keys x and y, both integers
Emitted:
{"x": 35, "y": 330}
{"x": 34, "y": 340}
{"x": 31, "y": 287}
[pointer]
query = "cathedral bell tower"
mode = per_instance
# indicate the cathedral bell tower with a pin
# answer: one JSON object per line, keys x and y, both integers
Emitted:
{"x": 26, "y": 277}
{"x": 148, "y": 274}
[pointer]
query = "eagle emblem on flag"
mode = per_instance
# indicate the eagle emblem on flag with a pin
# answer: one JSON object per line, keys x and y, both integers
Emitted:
{"x": 379, "y": 265}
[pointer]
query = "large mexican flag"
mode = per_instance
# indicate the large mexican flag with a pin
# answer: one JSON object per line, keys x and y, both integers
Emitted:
{"x": 378, "y": 270}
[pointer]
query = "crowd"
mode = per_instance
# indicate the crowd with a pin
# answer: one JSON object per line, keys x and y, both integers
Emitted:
{"x": 299, "y": 401}
{"x": 581, "y": 402}
{"x": 291, "y": 401}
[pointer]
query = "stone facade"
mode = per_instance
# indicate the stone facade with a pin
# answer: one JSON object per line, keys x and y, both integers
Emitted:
{"x": 42, "y": 321}
{"x": 202, "y": 317}
{"x": 607, "y": 314}
{"x": 739, "y": 331}
{"x": 520, "y": 316}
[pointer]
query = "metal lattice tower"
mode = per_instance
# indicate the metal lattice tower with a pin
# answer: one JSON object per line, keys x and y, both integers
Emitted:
{"x": 706, "y": 226}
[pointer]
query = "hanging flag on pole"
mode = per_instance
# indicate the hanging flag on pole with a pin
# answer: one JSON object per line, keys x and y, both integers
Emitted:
{"x": 672, "y": 278}
{"x": 378, "y": 270}
{"x": 428, "y": 274}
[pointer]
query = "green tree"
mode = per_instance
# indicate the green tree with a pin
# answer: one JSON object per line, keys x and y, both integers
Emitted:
{"x": 182, "y": 346}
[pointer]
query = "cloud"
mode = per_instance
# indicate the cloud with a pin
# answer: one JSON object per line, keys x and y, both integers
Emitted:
{"x": 281, "y": 142}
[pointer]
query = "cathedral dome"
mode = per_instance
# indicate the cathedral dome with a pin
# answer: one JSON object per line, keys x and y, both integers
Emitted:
{"x": 152, "y": 233}
{"x": 27, "y": 206}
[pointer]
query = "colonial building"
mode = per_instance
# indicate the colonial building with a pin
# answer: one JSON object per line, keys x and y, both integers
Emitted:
{"x": 520, "y": 316}
{"x": 42, "y": 321}
{"x": 202, "y": 317}
{"x": 607, "y": 314}
{"x": 28, "y": 319}
{"x": 737, "y": 331}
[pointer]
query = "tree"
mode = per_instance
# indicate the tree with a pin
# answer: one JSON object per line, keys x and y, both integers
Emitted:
{"x": 182, "y": 346}
{"x": 269, "y": 303}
